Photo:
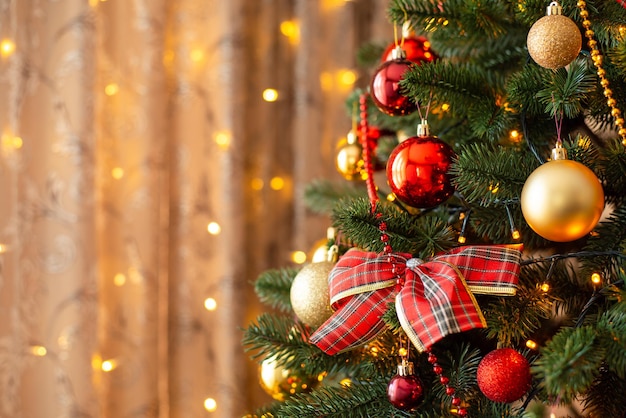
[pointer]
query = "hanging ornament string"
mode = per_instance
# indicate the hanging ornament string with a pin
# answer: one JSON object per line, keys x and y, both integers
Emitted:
{"x": 382, "y": 226}
{"x": 597, "y": 58}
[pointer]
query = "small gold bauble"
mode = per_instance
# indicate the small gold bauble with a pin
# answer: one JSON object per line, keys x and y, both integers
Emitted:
{"x": 562, "y": 200}
{"x": 554, "y": 41}
{"x": 350, "y": 160}
{"x": 280, "y": 383}
{"x": 310, "y": 296}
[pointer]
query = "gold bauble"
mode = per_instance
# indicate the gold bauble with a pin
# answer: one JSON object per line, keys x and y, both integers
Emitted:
{"x": 349, "y": 160}
{"x": 562, "y": 200}
{"x": 554, "y": 41}
{"x": 280, "y": 383}
{"x": 310, "y": 296}
{"x": 319, "y": 252}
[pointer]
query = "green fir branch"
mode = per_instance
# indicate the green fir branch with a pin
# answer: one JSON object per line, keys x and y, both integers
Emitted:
{"x": 321, "y": 195}
{"x": 273, "y": 287}
{"x": 607, "y": 395}
{"x": 360, "y": 399}
{"x": 422, "y": 236}
{"x": 612, "y": 330}
{"x": 569, "y": 362}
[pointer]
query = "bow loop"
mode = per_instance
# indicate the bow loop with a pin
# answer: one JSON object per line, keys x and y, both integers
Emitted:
{"x": 435, "y": 300}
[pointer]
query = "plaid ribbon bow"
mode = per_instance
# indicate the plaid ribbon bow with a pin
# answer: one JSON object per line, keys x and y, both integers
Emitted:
{"x": 435, "y": 300}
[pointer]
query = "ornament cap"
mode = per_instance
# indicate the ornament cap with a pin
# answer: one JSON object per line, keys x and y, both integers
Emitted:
{"x": 406, "y": 368}
{"x": 554, "y": 9}
{"x": 423, "y": 129}
{"x": 398, "y": 53}
{"x": 351, "y": 138}
{"x": 559, "y": 153}
{"x": 333, "y": 253}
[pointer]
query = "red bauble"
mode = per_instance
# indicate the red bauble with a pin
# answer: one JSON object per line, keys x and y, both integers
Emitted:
{"x": 385, "y": 88}
{"x": 417, "y": 171}
{"x": 417, "y": 50}
{"x": 405, "y": 390}
{"x": 504, "y": 375}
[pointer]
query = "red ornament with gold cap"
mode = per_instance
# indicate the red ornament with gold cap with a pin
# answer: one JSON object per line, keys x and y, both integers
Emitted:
{"x": 417, "y": 169}
{"x": 385, "y": 86}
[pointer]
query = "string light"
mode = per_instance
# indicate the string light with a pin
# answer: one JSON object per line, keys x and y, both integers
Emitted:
{"x": 514, "y": 232}
{"x": 196, "y": 55}
{"x": 346, "y": 78}
{"x": 347, "y": 382}
{"x": 298, "y": 257}
{"x": 402, "y": 352}
{"x": 545, "y": 287}
{"x": 210, "y": 304}
{"x": 270, "y": 95}
{"x": 531, "y": 344}
{"x": 214, "y": 228}
{"x": 256, "y": 184}
{"x": 210, "y": 404}
{"x": 596, "y": 279}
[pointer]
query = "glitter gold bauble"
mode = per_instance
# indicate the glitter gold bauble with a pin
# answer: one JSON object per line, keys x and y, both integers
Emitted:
{"x": 280, "y": 383}
{"x": 562, "y": 200}
{"x": 554, "y": 41}
{"x": 310, "y": 296}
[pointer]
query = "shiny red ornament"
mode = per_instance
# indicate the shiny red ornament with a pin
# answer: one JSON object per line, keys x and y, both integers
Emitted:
{"x": 504, "y": 375}
{"x": 417, "y": 171}
{"x": 385, "y": 88}
{"x": 405, "y": 390}
{"x": 416, "y": 48}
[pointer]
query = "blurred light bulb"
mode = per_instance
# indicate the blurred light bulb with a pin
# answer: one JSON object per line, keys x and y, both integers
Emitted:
{"x": 270, "y": 95}
{"x": 214, "y": 228}
{"x": 7, "y": 47}
{"x": 210, "y": 304}
{"x": 210, "y": 404}
{"x": 277, "y": 183}
{"x": 111, "y": 89}
{"x": 298, "y": 257}
{"x": 117, "y": 173}
{"x": 38, "y": 350}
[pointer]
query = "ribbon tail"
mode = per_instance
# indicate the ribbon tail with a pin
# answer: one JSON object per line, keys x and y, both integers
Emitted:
{"x": 356, "y": 323}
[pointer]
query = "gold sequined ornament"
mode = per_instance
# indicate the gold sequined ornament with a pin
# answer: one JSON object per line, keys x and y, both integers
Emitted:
{"x": 562, "y": 200}
{"x": 310, "y": 295}
{"x": 280, "y": 383}
{"x": 349, "y": 159}
{"x": 554, "y": 41}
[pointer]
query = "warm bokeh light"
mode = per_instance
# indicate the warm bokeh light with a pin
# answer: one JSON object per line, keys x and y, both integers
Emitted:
{"x": 7, "y": 47}
{"x": 38, "y": 350}
{"x": 214, "y": 228}
{"x": 223, "y": 139}
{"x": 291, "y": 30}
{"x": 462, "y": 239}
{"x": 3, "y": 248}
{"x": 531, "y": 344}
{"x": 119, "y": 279}
{"x": 445, "y": 107}
{"x": 196, "y": 55}
{"x": 515, "y": 234}
{"x": 108, "y": 365}
{"x": 257, "y": 184}
{"x": 210, "y": 304}
{"x": 402, "y": 352}
{"x": 210, "y": 404}
{"x": 298, "y": 257}
{"x": 111, "y": 89}
{"x": 346, "y": 78}
{"x": 391, "y": 197}
{"x": 545, "y": 287}
{"x": 270, "y": 95}
{"x": 347, "y": 382}
{"x": 117, "y": 173}
{"x": 277, "y": 183}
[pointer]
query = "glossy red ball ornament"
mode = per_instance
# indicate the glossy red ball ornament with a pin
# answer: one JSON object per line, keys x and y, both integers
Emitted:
{"x": 417, "y": 171}
{"x": 504, "y": 375}
{"x": 385, "y": 87}
{"x": 416, "y": 48}
{"x": 405, "y": 390}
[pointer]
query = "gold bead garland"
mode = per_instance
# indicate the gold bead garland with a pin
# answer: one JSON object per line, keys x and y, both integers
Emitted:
{"x": 596, "y": 56}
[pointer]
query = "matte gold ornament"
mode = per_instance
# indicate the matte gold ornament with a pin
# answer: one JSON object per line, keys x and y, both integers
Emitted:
{"x": 280, "y": 383}
{"x": 562, "y": 200}
{"x": 310, "y": 295}
{"x": 349, "y": 159}
{"x": 554, "y": 41}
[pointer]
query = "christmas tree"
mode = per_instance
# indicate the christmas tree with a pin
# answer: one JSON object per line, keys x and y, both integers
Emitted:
{"x": 476, "y": 265}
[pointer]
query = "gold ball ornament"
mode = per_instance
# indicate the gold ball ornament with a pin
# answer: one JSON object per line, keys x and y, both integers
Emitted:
{"x": 310, "y": 295}
{"x": 349, "y": 161}
{"x": 562, "y": 200}
{"x": 554, "y": 41}
{"x": 280, "y": 383}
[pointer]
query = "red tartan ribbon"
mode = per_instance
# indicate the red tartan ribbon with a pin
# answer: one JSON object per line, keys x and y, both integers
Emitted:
{"x": 435, "y": 300}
